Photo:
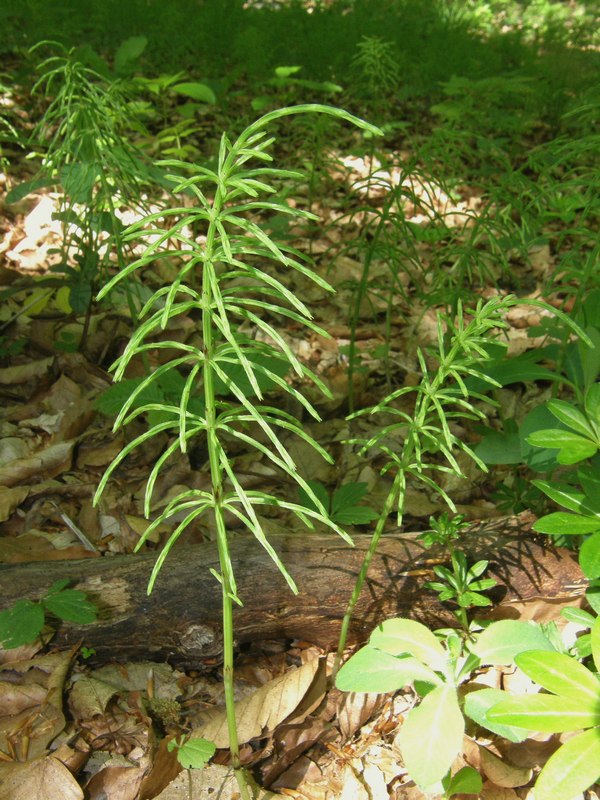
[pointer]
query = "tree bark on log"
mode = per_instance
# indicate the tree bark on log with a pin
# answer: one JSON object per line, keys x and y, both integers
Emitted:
{"x": 181, "y": 620}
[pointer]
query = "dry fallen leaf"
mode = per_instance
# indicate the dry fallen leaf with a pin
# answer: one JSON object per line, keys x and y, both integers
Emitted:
{"x": 135, "y": 676}
{"x": 48, "y": 462}
{"x": 352, "y": 787}
{"x": 501, "y": 772}
{"x": 22, "y": 373}
{"x": 264, "y": 709}
{"x": 214, "y": 780}
{"x": 37, "y": 547}
{"x": 15, "y": 698}
{"x": 115, "y": 781}
{"x": 43, "y": 779}
{"x": 11, "y": 499}
{"x": 30, "y": 730}
{"x": 89, "y": 697}
{"x": 354, "y": 709}
{"x": 165, "y": 768}
{"x": 490, "y": 791}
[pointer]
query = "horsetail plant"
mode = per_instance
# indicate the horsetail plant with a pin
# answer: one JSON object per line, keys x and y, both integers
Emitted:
{"x": 225, "y": 371}
{"x": 429, "y": 445}
{"x": 82, "y": 134}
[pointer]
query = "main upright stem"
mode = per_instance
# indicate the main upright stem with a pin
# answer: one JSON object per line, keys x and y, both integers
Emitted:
{"x": 228, "y": 588}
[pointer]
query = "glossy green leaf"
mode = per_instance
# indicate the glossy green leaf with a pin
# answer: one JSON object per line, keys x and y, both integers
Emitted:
{"x": 595, "y": 640}
{"x": 195, "y": 90}
{"x": 128, "y": 52}
{"x": 80, "y": 296}
{"x": 572, "y": 769}
{"x": 589, "y": 556}
{"x": 589, "y": 358}
{"x": 27, "y": 187}
{"x": 402, "y": 635}
{"x": 343, "y": 505}
{"x": 570, "y": 416}
{"x": 355, "y": 515}
{"x": 503, "y": 640}
{"x": 78, "y": 180}
{"x": 561, "y": 674}
{"x": 548, "y": 713}
{"x": 111, "y": 400}
{"x": 540, "y": 459}
{"x": 348, "y": 494}
{"x": 592, "y": 595}
{"x": 500, "y": 447}
{"x": 431, "y": 736}
{"x": 272, "y": 362}
{"x": 466, "y": 781}
{"x": 476, "y": 707}
{"x": 592, "y": 402}
{"x": 578, "y": 616}
{"x": 563, "y": 495}
{"x": 572, "y": 448}
{"x": 565, "y": 524}
{"x": 589, "y": 478}
{"x": 520, "y": 369}
{"x": 372, "y": 670}
{"x": 470, "y": 599}
{"x": 320, "y": 493}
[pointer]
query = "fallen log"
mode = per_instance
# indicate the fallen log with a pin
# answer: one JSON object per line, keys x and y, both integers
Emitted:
{"x": 180, "y": 620}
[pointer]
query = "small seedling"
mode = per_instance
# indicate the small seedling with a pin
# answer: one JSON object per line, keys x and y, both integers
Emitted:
{"x": 192, "y": 753}
{"x": 23, "y": 622}
{"x": 444, "y": 530}
{"x": 462, "y": 584}
{"x": 376, "y": 70}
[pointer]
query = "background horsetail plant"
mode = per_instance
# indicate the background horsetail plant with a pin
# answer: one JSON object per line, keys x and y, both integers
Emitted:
{"x": 86, "y": 151}
{"x": 224, "y": 372}
{"x": 443, "y": 397}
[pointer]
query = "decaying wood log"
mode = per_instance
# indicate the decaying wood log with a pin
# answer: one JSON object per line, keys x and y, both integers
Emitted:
{"x": 180, "y": 620}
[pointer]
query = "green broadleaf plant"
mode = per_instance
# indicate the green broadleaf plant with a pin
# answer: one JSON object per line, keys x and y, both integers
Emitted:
{"x": 463, "y": 350}
{"x": 402, "y": 651}
{"x": 23, "y": 622}
{"x": 578, "y": 441}
{"x": 582, "y": 439}
{"x": 572, "y": 364}
{"x": 219, "y": 281}
{"x": 573, "y": 704}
